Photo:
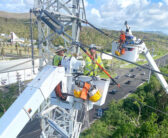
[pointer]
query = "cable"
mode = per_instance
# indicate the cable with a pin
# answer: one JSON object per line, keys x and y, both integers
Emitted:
{"x": 121, "y": 58}
{"x": 166, "y": 113}
{"x": 108, "y": 35}
{"x": 102, "y": 68}
{"x": 99, "y": 30}
{"x": 156, "y": 41}
{"x": 156, "y": 109}
{"x": 73, "y": 42}
{"x": 144, "y": 67}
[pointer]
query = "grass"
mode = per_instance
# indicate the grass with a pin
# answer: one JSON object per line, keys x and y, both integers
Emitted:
{"x": 104, "y": 76}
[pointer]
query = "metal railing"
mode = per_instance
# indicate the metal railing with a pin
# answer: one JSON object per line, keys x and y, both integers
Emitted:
{"x": 10, "y": 77}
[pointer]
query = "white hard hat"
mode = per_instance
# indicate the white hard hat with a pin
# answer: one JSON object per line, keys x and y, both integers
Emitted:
{"x": 60, "y": 48}
{"x": 92, "y": 46}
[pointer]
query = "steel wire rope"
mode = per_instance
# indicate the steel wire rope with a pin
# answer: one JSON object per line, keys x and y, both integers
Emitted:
{"x": 121, "y": 58}
{"x": 73, "y": 42}
{"x": 166, "y": 113}
{"x": 156, "y": 41}
{"x": 144, "y": 67}
{"x": 110, "y": 36}
{"x": 101, "y": 51}
{"x": 31, "y": 38}
{"x": 124, "y": 59}
{"x": 99, "y": 30}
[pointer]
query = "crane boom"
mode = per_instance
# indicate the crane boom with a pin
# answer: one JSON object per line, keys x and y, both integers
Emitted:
{"x": 155, "y": 67}
{"x": 26, "y": 105}
{"x": 132, "y": 48}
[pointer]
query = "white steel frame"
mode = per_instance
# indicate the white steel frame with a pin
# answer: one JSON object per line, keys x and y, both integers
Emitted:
{"x": 69, "y": 13}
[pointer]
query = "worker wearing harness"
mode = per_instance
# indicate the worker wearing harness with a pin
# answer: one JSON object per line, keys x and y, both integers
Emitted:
{"x": 121, "y": 49}
{"x": 122, "y": 38}
{"x": 91, "y": 68}
{"x": 57, "y": 62}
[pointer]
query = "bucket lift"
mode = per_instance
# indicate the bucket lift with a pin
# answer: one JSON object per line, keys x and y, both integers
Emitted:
{"x": 59, "y": 118}
{"x": 134, "y": 47}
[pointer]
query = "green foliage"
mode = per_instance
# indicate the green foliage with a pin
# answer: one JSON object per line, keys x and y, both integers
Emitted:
{"x": 87, "y": 36}
{"x": 149, "y": 128}
{"x": 136, "y": 116}
{"x": 130, "y": 117}
{"x": 19, "y": 26}
{"x": 7, "y": 98}
{"x": 99, "y": 129}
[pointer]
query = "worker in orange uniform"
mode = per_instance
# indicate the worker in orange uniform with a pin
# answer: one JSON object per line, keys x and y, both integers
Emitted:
{"x": 57, "y": 62}
{"x": 122, "y": 41}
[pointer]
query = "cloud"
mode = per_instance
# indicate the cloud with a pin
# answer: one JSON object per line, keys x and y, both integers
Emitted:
{"x": 95, "y": 12}
{"x": 30, "y": 2}
{"x": 142, "y": 15}
{"x": 111, "y": 14}
{"x": 160, "y": 4}
{"x": 166, "y": 1}
{"x": 16, "y": 5}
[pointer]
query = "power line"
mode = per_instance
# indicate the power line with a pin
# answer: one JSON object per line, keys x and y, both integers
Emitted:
{"x": 79, "y": 44}
{"x": 144, "y": 67}
{"x": 99, "y": 30}
{"x": 150, "y": 106}
{"x": 110, "y": 36}
{"x": 102, "y": 32}
{"x": 156, "y": 41}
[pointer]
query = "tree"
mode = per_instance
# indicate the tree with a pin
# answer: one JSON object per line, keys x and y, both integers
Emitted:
{"x": 149, "y": 128}
{"x": 99, "y": 129}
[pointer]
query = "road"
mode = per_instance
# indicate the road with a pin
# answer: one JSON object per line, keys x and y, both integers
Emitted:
{"x": 123, "y": 91}
{"x": 125, "y": 88}
{"x": 32, "y": 129}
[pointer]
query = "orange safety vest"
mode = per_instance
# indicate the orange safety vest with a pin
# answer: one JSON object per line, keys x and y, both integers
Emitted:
{"x": 85, "y": 90}
{"x": 122, "y": 37}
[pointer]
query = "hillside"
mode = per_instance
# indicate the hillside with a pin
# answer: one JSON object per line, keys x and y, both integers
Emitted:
{"x": 14, "y": 15}
{"x": 130, "y": 117}
{"x": 19, "y": 23}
